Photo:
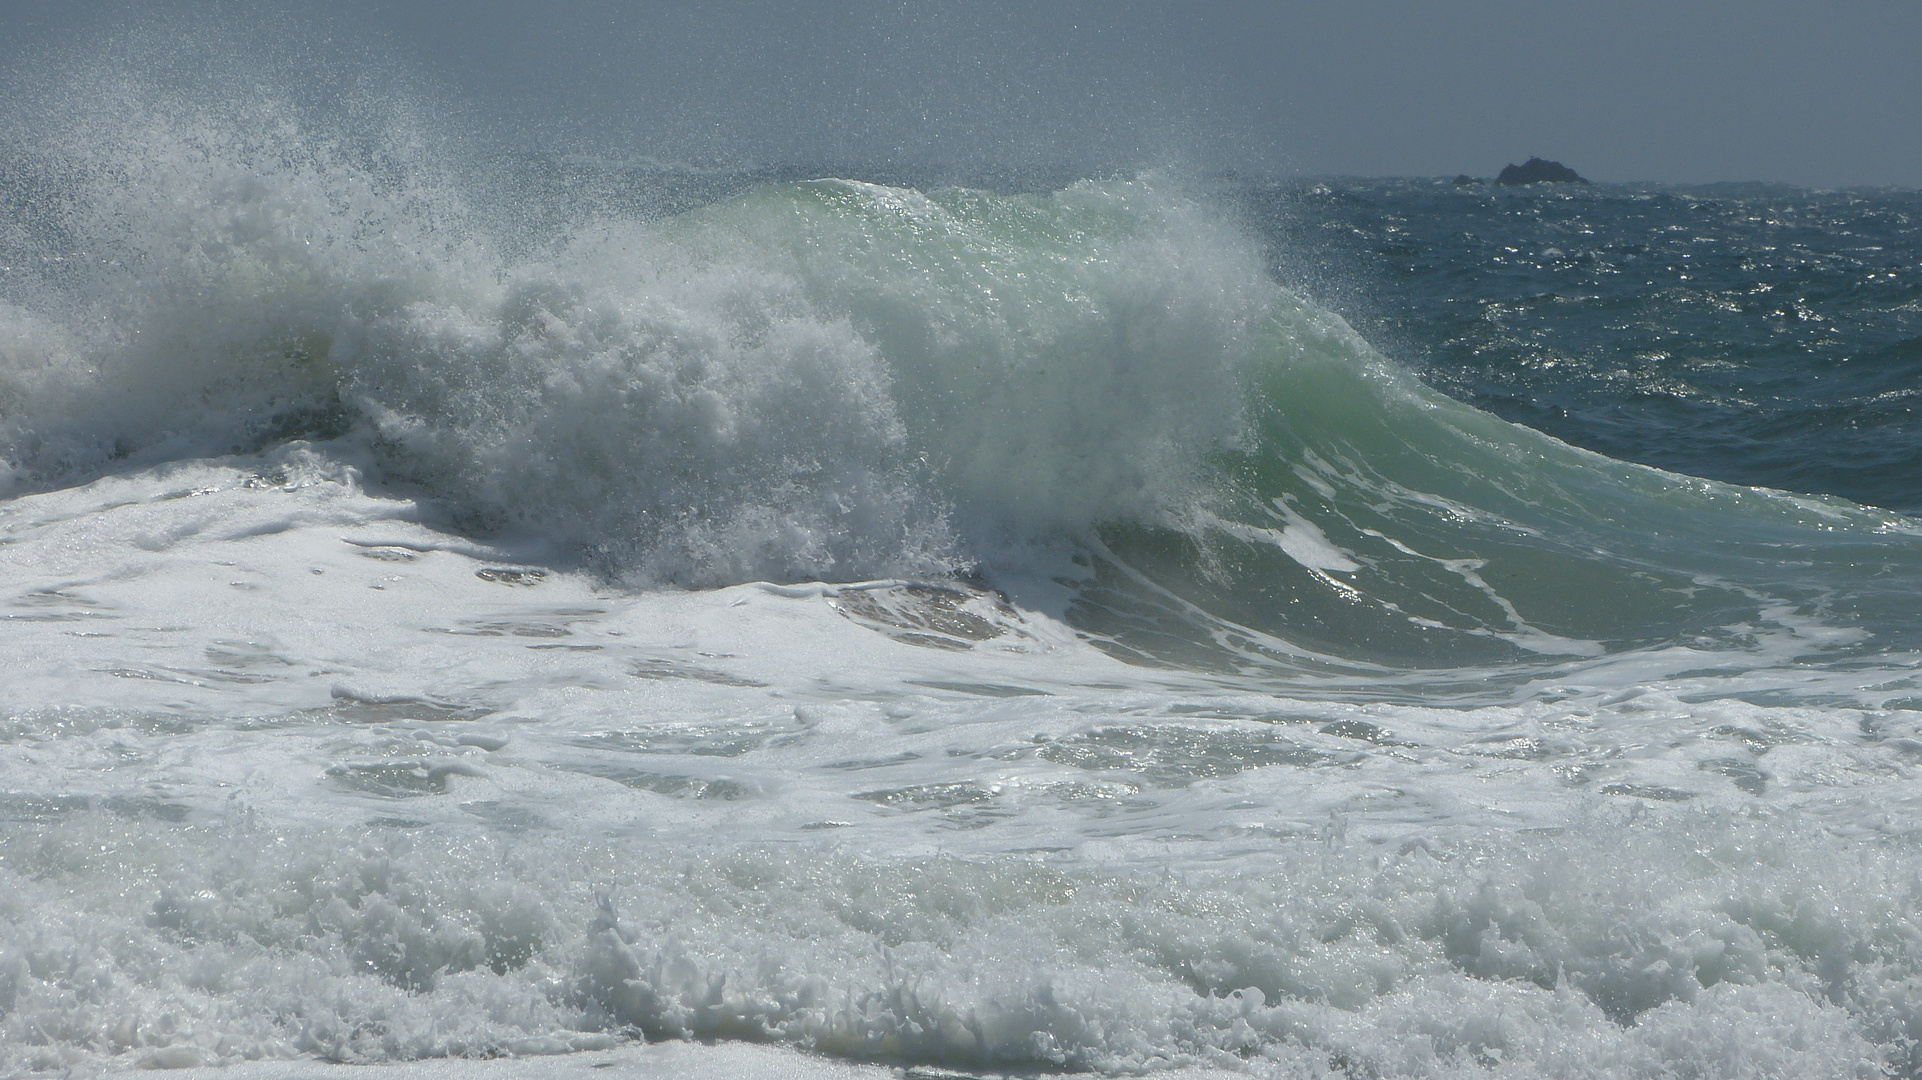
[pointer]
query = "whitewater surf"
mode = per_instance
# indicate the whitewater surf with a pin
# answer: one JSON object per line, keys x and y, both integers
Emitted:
{"x": 921, "y": 628}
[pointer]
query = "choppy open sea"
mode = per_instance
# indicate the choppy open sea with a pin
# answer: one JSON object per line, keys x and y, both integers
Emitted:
{"x": 1149, "y": 625}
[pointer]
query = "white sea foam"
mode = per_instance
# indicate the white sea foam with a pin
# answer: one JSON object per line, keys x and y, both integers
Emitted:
{"x": 291, "y": 774}
{"x": 1325, "y": 727}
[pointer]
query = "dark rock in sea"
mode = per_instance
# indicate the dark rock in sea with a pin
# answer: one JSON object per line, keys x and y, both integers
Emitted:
{"x": 1538, "y": 171}
{"x": 1467, "y": 179}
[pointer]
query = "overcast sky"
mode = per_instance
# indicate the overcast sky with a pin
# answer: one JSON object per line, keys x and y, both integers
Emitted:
{"x": 1821, "y": 94}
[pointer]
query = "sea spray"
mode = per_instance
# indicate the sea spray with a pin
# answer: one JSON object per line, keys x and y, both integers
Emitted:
{"x": 816, "y": 380}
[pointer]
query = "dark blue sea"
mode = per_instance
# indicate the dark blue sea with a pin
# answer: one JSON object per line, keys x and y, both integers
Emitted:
{"x": 1756, "y": 334}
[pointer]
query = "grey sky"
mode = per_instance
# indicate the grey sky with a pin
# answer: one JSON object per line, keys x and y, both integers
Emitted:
{"x": 1824, "y": 94}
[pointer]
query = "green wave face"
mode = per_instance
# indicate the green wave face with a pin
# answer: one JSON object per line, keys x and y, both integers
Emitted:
{"x": 1376, "y": 522}
{"x": 1072, "y": 359}
{"x": 836, "y": 380}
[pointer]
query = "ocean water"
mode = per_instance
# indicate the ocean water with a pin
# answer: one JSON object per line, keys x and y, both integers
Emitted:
{"x": 1144, "y": 625}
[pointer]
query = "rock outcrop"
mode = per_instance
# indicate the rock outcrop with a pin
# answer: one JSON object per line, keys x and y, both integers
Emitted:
{"x": 1538, "y": 171}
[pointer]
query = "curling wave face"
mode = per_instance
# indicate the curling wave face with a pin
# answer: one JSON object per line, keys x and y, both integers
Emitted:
{"x": 839, "y": 381}
{"x": 820, "y": 380}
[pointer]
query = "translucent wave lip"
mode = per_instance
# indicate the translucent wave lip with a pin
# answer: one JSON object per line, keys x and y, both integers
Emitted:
{"x": 818, "y": 380}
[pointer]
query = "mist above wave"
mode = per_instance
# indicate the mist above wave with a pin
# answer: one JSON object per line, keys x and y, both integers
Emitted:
{"x": 819, "y": 380}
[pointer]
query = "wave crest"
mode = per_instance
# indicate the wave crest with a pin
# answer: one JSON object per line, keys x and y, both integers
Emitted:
{"x": 827, "y": 380}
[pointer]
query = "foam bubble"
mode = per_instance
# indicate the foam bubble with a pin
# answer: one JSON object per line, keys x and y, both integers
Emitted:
{"x": 1720, "y": 947}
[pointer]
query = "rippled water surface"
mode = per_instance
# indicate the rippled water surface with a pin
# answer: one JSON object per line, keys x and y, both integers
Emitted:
{"x": 1756, "y": 334}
